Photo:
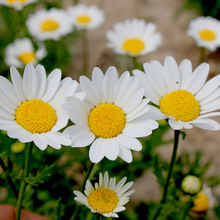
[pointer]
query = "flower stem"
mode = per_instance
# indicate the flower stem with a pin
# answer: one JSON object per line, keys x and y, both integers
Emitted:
{"x": 23, "y": 183}
{"x": 82, "y": 188}
{"x": 202, "y": 55}
{"x": 164, "y": 197}
{"x": 9, "y": 179}
{"x": 85, "y": 52}
{"x": 135, "y": 63}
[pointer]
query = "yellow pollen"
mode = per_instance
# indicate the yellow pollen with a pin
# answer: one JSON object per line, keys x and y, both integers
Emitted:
{"x": 106, "y": 120}
{"x": 49, "y": 25}
{"x": 181, "y": 105}
{"x": 83, "y": 19}
{"x": 103, "y": 200}
{"x": 207, "y": 35}
{"x": 36, "y": 116}
{"x": 201, "y": 203}
{"x": 12, "y": 1}
{"x": 133, "y": 46}
{"x": 27, "y": 57}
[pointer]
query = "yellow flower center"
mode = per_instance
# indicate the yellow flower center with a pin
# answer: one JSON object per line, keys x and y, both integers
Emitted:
{"x": 36, "y": 116}
{"x": 201, "y": 203}
{"x": 12, "y": 1}
{"x": 49, "y": 25}
{"x": 106, "y": 120}
{"x": 27, "y": 57}
{"x": 180, "y": 104}
{"x": 84, "y": 19}
{"x": 103, "y": 200}
{"x": 133, "y": 45}
{"x": 207, "y": 35}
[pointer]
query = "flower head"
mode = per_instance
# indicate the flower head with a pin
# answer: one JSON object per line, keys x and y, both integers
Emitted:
{"x": 16, "y": 4}
{"x": 49, "y": 24}
{"x": 206, "y": 32}
{"x": 110, "y": 117}
{"x": 86, "y": 17}
{"x": 21, "y": 52}
{"x": 182, "y": 95}
{"x": 133, "y": 37}
{"x": 106, "y": 198}
{"x": 31, "y": 108}
{"x": 191, "y": 184}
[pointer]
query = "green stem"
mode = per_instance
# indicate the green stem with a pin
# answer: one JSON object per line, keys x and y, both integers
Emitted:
{"x": 85, "y": 52}
{"x": 135, "y": 63}
{"x": 164, "y": 197}
{"x": 9, "y": 179}
{"x": 23, "y": 183}
{"x": 99, "y": 217}
{"x": 82, "y": 188}
{"x": 202, "y": 55}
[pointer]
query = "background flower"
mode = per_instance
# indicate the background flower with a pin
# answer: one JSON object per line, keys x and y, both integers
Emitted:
{"x": 16, "y": 4}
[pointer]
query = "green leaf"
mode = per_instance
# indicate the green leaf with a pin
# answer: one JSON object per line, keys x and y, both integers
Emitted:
{"x": 157, "y": 170}
{"x": 183, "y": 133}
{"x": 40, "y": 176}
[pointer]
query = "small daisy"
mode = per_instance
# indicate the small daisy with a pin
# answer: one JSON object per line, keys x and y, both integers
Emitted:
{"x": 51, "y": 24}
{"x": 21, "y": 52}
{"x": 16, "y": 4}
{"x": 86, "y": 17}
{"x": 204, "y": 201}
{"x": 31, "y": 108}
{"x": 133, "y": 37}
{"x": 182, "y": 95}
{"x": 206, "y": 32}
{"x": 110, "y": 117}
{"x": 106, "y": 198}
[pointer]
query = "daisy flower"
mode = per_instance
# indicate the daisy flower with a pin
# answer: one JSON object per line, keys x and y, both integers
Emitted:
{"x": 21, "y": 52}
{"x": 133, "y": 37}
{"x": 16, "y": 4}
{"x": 182, "y": 95}
{"x": 206, "y": 32}
{"x": 49, "y": 24}
{"x": 31, "y": 108}
{"x": 110, "y": 117}
{"x": 86, "y": 17}
{"x": 106, "y": 198}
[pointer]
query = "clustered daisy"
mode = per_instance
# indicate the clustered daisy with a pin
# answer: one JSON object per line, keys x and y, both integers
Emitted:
{"x": 183, "y": 96}
{"x": 16, "y": 4}
{"x": 49, "y": 24}
{"x": 21, "y": 52}
{"x": 31, "y": 108}
{"x": 110, "y": 117}
{"x": 205, "y": 31}
{"x": 86, "y": 17}
{"x": 106, "y": 198}
{"x": 133, "y": 37}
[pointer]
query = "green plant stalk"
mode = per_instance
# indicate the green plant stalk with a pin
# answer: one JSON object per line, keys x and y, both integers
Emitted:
{"x": 9, "y": 179}
{"x": 23, "y": 183}
{"x": 172, "y": 162}
{"x": 83, "y": 186}
{"x": 85, "y": 56}
{"x": 135, "y": 63}
{"x": 202, "y": 55}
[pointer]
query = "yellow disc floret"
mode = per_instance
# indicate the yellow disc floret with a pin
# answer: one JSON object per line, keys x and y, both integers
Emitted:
{"x": 103, "y": 200}
{"x": 12, "y": 1}
{"x": 49, "y": 25}
{"x": 27, "y": 57}
{"x": 84, "y": 19}
{"x": 207, "y": 35}
{"x": 201, "y": 203}
{"x": 106, "y": 120}
{"x": 36, "y": 116}
{"x": 133, "y": 46}
{"x": 180, "y": 104}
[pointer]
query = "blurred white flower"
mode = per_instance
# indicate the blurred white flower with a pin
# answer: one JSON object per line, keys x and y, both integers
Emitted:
{"x": 16, "y": 4}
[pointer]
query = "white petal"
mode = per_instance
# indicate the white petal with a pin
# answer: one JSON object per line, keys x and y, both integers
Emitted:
{"x": 110, "y": 148}
{"x": 185, "y": 73}
{"x": 175, "y": 124}
{"x": 129, "y": 142}
{"x": 96, "y": 151}
{"x": 125, "y": 154}
{"x": 106, "y": 180}
{"x": 207, "y": 124}
{"x": 40, "y": 141}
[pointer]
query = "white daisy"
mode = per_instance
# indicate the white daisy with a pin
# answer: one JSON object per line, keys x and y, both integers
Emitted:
{"x": 204, "y": 201}
{"x": 206, "y": 32}
{"x": 31, "y": 108}
{"x": 86, "y": 17}
{"x": 51, "y": 24}
{"x": 21, "y": 52}
{"x": 182, "y": 95}
{"x": 111, "y": 116}
{"x": 16, "y": 4}
{"x": 106, "y": 198}
{"x": 133, "y": 37}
